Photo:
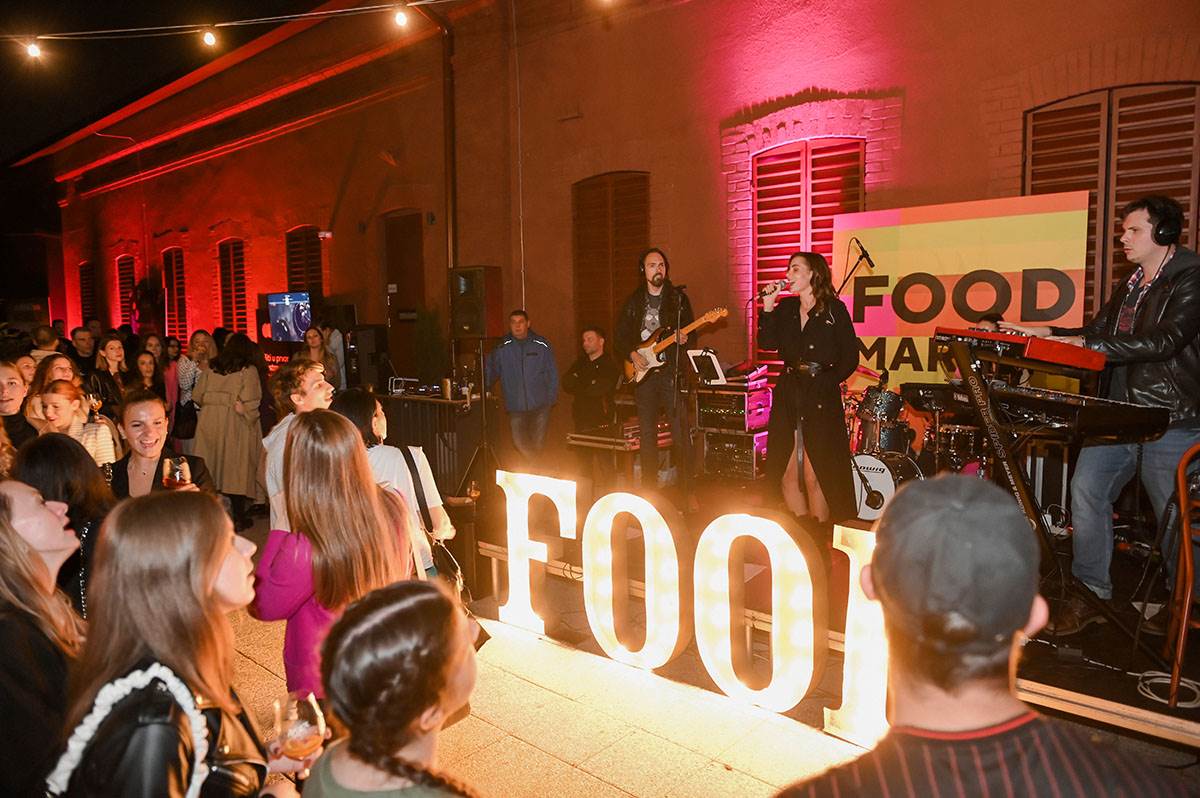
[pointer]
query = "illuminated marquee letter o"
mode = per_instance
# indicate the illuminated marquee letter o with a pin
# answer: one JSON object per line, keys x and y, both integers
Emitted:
{"x": 794, "y": 650}
{"x": 663, "y": 594}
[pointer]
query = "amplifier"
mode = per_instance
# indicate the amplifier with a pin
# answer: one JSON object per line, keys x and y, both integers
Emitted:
{"x": 733, "y": 410}
{"x": 742, "y": 455}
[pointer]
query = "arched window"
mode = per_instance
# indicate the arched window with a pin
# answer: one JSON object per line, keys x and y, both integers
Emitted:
{"x": 1118, "y": 144}
{"x": 231, "y": 254}
{"x": 610, "y": 226}
{"x": 125, "y": 282}
{"x": 304, "y": 261}
{"x": 173, "y": 274}
{"x": 798, "y": 188}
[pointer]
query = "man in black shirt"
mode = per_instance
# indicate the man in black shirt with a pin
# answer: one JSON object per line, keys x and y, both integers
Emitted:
{"x": 12, "y": 398}
{"x": 592, "y": 380}
{"x": 82, "y": 350}
{"x": 657, "y": 304}
{"x": 956, "y": 570}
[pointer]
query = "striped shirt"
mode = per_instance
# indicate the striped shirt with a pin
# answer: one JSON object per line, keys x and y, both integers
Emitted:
{"x": 1027, "y": 756}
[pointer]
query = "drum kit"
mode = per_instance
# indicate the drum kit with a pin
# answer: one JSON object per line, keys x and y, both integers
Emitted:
{"x": 882, "y": 443}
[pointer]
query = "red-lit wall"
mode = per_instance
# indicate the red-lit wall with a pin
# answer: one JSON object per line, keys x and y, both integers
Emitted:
{"x": 686, "y": 91}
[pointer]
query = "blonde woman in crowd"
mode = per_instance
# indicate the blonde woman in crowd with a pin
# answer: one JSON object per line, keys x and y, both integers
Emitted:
{"x": 65, "y": 409}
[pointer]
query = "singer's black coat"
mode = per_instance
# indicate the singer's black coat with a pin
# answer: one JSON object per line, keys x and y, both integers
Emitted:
{"x": 812, "y": 404}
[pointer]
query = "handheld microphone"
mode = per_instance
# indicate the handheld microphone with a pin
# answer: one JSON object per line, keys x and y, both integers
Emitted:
{"x": 779, "y": 285}
{"x": 863, "y": 250}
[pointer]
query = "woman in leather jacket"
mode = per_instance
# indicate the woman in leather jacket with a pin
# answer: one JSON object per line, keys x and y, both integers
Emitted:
{"x": 153, "y": 711}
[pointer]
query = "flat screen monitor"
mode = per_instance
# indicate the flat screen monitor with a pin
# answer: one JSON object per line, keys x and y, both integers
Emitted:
{"x": 291, "y": 315}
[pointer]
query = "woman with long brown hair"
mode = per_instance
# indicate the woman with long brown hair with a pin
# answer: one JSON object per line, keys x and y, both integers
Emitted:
{"x": 39, "y": 633}
{"x": 808, "y": 451}
{"x": 108, "y": 377}
{"x": 152, "y": 708}
{"x": 317, "y": 350}
{"x": 398, "y": 664}
{"x": 348, "y": 537}
{"x": 53, "y": 367}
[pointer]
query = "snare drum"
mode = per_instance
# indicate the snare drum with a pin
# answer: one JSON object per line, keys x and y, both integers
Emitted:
{"x": 877, "y": 478}
{"x": 880, "y": 404}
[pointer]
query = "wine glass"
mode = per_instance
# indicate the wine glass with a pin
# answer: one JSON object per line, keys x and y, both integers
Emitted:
{"x": 176, "y": 472}
{"x": 299, "y": 726}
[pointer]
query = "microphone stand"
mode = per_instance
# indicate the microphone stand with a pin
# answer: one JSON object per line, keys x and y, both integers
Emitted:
{"x": 853, "y": 269}
{"x": 680, "y": 468}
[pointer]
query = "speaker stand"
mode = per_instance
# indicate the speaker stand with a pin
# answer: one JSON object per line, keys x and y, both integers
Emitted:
{"x": 484, "y": 456}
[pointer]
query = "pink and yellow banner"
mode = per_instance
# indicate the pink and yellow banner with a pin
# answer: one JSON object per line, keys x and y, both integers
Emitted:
{"x": 950, "y": 265}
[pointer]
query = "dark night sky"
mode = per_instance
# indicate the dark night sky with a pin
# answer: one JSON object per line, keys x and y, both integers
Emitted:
{"x": 76, "y": 82}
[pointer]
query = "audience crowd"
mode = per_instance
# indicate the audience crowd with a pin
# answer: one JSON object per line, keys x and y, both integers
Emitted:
{"x": 123, "y": 490}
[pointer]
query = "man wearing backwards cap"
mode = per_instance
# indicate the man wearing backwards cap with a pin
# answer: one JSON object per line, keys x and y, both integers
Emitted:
{"x": 956, "y": 570}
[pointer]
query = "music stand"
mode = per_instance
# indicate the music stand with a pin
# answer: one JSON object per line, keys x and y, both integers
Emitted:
{"x": 707, "y": 367}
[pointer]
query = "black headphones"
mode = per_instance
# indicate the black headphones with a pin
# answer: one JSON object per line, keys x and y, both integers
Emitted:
{"x": 645, "y": 254}
{"x": 1169, "y": 227}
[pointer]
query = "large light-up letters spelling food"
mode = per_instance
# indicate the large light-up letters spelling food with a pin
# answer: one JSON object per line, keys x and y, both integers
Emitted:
{"x": 795, "y": 606}
{"x": 518, "y": 490}
{"x": 605, "y": 593}
{"x": 799, "y": 608}
{"x": 861, "y": 718}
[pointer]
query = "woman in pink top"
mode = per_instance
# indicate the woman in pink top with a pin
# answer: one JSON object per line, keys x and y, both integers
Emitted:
{"x": 348, "y": 539}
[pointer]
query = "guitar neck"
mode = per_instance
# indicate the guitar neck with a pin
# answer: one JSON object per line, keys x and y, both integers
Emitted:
{"x": 661, "y": 345}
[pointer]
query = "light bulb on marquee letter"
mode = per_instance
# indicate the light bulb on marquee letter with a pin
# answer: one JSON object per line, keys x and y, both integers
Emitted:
{"x": 518, "y": 490}
{"x": 862, "y": 717}
{"x": 796, "y": 651}
{"x": 664, "y": 620}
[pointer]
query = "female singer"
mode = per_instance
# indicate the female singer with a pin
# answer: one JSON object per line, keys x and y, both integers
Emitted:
{"x": 807, "y": 446}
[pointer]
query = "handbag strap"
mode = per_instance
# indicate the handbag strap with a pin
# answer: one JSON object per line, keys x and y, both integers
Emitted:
{"x": 418, "y": 489}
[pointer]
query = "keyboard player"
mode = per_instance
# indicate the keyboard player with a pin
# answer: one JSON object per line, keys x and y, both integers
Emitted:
{"x": 1148, "y": 332}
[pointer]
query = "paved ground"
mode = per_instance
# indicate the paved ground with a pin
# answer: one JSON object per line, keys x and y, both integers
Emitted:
{"x": 551, "y": 719}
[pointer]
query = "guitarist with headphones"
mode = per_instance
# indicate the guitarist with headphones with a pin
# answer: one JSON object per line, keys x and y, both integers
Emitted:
{"x": 657, "y": 304}
{"x": 1149, "y": 332}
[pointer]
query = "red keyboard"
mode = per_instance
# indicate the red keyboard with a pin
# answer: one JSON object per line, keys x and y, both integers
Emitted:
{"x": 1024, "y": 347}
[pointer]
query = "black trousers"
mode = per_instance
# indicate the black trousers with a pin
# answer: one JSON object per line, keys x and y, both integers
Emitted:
{"x": 651, "y": 395}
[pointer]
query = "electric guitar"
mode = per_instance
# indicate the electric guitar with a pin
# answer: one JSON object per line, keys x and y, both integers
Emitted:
{"x": 653, "y": 347}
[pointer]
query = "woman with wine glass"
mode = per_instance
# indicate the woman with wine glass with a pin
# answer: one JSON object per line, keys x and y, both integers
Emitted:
{"x": 63, "y": 471}
{"x": 108, "y": 377}
{"x": 66, "y": 411}
{"x": 315, "y": 350}
{"x": 152, "y": 709}
{"x": 228, "y": 435}
{"x": 346, "y": 540}
{"x": 39, "y": 634}
{"x": 52, "y": 367}
{"x": 396, "y": 666}
{"x": 141, "y": 471}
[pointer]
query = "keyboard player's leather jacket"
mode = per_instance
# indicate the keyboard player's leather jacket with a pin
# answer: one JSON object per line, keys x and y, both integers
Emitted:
{"x": 1163, "y": 351}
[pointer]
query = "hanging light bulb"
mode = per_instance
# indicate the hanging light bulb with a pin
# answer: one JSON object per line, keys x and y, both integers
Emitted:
{"x": 33, "y": 50}
{"x": 209, "y": 38}
{"x": 400, "y": 17}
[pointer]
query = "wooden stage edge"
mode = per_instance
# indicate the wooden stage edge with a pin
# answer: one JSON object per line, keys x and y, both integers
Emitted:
{"x": 1110, "y": 713}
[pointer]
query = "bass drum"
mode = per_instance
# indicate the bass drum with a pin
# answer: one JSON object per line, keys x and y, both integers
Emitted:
{"x": 877, "y": 477}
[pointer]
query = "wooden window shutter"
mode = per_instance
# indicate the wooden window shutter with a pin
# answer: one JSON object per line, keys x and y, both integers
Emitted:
{"x": 176, "y": 293}
{"x": 798, "y": 188}
{"x": 1155, "y": 150}
{"x": 1119, "y": 145}
{"x": 125, "y": 287}
{"x": 304, "y": 261}
{"x": 87, "y": 291}
{"x": 231, "y": 254}
{"x": 610, "y": 216}
{"x": 1065, "y": 146}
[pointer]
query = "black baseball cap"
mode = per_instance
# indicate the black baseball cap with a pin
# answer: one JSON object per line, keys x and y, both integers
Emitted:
{"x": 956, "y": 563}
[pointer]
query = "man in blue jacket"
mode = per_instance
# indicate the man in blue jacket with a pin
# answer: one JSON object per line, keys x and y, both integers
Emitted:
{"x": 524, "y": 364}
